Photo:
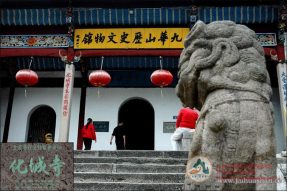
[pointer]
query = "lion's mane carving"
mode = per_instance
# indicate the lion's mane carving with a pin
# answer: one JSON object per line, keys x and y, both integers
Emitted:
{"x": 222, "y": 72}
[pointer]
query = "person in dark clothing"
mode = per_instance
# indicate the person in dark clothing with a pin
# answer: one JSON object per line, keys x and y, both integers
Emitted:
{"x": 120, "y": 134}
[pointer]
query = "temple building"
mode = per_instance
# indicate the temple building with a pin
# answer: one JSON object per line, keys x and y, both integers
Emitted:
{"x": 63, "y": 42}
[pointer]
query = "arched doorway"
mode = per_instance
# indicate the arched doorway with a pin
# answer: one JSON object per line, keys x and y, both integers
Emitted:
{"x": 138, "y": 117}
{"x": 42, "y": 121}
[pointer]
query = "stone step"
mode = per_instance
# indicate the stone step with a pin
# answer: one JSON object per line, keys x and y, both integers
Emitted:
{"x": 131, "y": 153}
{"x": 91, "y": 177}
{"x": 122, "y": 186}
{"x": 128, "y": 168}
{"x": 132, "y": 160}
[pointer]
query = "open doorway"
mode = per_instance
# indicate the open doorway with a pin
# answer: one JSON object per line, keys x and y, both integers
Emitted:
{"x": 42, "y": 121}
{"x": 138, "y": 117}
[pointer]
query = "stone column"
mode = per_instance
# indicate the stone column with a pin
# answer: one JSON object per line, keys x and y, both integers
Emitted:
{"x": 282, "y": 83}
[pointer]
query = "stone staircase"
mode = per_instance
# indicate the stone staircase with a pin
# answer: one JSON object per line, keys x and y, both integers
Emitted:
{"x": 129, "y": 170}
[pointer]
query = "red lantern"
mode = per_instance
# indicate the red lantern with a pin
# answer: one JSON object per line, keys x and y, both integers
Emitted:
{"x": 161, "y": 78}
{"x": 27, "y": 77}
{"x": 99, "y": 78}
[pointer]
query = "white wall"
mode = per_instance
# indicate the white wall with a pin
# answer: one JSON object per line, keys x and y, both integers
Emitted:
{"x": 103, "y": 108}
{"x": 52, "y": 97}
{"x": 106, "y": 107}
{"x": 4, "y": 97}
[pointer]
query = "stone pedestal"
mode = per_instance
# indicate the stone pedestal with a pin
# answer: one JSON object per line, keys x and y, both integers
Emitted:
{"x": 186, "y": 141}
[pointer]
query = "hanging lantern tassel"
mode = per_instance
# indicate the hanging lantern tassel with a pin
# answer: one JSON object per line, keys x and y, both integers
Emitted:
{"x": 98, "y": 92}
{"x": 161, "y": 78}
{"x": 26, "y": 91}
{"x": 26, "y": 77}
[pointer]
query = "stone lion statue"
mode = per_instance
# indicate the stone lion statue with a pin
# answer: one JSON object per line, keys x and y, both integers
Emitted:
{"x": 222, "y": 72}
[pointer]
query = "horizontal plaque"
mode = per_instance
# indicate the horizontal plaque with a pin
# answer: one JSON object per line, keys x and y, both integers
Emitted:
{"x": 130, "y": 38}
{"x": 34, "y": 41}
{"x": 124, "y": 38}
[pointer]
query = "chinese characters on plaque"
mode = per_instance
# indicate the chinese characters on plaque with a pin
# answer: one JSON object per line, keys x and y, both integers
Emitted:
{"x": 114, "y": 38}
{"x": 37, "y": 166}
{"x": 130, "y": 38}
{"x": 66, "y": 94}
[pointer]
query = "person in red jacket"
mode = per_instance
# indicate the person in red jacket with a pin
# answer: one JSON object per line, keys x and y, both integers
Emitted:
{"x": 88, "y": 133}
{"x": 186, "y": 121}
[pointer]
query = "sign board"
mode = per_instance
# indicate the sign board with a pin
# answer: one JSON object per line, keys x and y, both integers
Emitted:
{"x": 267, "y": 39}
{"x": 130, "y": 38}
{"x": 37, "y": 166}
{"x": 114, "y": 38}
{"x": 168, "y": 127}
{"x": 101, "y": 126}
